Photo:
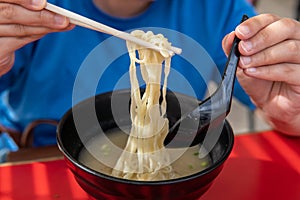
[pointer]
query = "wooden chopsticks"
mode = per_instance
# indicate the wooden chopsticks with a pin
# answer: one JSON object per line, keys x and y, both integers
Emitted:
{"x": 91, "y": 24}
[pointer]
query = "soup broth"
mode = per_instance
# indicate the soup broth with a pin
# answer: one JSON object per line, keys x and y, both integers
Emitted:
{"x": 103, "y": 151}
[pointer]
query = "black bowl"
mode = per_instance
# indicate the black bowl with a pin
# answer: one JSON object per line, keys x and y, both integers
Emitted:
{"x": 102, "y": 186}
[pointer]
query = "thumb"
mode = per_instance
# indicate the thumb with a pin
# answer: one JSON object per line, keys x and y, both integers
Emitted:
{"x": 227, "y": 42}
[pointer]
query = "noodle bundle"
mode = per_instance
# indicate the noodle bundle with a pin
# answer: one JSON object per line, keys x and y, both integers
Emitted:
{"x": 145, "y": 157}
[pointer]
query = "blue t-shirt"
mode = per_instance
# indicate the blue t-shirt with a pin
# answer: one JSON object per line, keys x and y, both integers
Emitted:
{"x": 41, "y": 83}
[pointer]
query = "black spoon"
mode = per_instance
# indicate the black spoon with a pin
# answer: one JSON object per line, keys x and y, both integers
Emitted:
{"x": 211, "y": 113}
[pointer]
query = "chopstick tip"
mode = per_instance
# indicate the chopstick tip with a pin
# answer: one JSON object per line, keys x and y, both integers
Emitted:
{"x": 176, "y": 50}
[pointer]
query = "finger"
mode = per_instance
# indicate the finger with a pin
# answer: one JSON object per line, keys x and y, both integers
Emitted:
{"x": 227, "y": 42}
{"x": 10, "y": 13}
{"x": 6, "y": 63}
{"x": 252, "y": 26}
{"x": 256, "y": 88}
{"x": 272, "y": 34}
{"x": 17, "y": 30}
{"x": 30, "y": 4}
{"x": 285, "y": 72}
{"x": 286, "y": 51}
{"x": 10, "y": 44}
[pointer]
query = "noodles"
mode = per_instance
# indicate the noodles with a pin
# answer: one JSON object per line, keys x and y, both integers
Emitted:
{"x": 145, "y": 157}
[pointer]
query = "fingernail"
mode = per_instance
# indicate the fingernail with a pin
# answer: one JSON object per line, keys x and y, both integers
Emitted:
{"x": 247, "y": 46}
{"x": 251, "y": 70}
{"x": 37, "y": 3}
{"x": 244, "y": 30}
{"x": 58, "y": 19}
{"x": 245, "y": 60}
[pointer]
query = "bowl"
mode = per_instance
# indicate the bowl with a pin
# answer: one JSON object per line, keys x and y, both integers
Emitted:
{"x": 86, "y": 119}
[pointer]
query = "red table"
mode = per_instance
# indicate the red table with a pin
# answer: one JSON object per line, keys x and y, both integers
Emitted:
{"x": 262, "y": 166}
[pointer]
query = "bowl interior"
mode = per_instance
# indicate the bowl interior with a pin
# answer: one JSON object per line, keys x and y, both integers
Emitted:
{"x": 99, "y": 110}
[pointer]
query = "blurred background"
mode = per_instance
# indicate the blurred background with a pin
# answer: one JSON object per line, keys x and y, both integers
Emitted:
{"x": 284, "y": 8}
{"x": 242, "y": 119}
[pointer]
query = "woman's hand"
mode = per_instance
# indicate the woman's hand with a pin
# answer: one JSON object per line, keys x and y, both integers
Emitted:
{"x": 24, "y": 21}
{"x": 269, "y": 68}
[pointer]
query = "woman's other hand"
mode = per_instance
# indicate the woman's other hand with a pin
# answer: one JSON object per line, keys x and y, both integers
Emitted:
{"x": 269, "y": 68}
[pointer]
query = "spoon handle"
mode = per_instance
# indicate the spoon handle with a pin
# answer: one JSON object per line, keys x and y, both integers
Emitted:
{"x": 212, "y": 111}
{"x": 228, "y": 78}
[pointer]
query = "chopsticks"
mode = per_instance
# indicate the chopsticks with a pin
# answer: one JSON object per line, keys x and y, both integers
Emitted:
{"x": 91, "y": 24}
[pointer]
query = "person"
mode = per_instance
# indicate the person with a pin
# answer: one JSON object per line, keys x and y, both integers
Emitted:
{"x": 269, "y": 68}
{"x": 41, "y": 52}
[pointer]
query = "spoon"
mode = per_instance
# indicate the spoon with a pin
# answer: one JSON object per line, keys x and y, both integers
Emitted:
{"x": 211, "y": 112}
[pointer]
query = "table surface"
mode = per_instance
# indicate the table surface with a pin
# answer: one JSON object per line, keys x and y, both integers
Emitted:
{"x": 261, "y": 166}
